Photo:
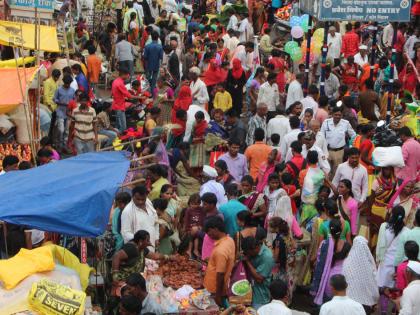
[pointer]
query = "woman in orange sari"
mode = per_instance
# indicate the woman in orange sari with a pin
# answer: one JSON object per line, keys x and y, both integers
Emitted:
{"x": 365, "y": 145}
{"x": 133, "y": 34}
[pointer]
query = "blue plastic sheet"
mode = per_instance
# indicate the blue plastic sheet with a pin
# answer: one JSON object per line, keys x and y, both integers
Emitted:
{"x": 71, "y": 196}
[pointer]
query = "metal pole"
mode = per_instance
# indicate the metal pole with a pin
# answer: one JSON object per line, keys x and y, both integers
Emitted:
{"x": 374, "y": 47}
{"x": 308, "y": 56}
{"x": 324, "y": 58}
{"x": 391, "y": 74}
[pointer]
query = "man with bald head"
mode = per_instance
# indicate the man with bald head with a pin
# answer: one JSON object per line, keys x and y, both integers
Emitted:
{"x": 320, "y": 141}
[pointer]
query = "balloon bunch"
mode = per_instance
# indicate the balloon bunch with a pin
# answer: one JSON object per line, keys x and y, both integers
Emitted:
{"x": 299, "y": 25}
{"x": 293, "y": 49}
{"x": 317, "y": 41}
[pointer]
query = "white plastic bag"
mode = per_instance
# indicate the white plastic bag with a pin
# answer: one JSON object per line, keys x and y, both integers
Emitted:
{"x": 388, "y": 156}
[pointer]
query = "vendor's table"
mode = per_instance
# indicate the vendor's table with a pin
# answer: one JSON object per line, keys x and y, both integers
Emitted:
{"x": 192, "y": 310}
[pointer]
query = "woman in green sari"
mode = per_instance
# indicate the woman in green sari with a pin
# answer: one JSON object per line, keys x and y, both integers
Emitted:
{"x": 131, "y": 257}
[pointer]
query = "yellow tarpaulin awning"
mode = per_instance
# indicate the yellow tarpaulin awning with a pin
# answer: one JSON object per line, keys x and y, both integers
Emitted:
{"x": 10, "y": 35}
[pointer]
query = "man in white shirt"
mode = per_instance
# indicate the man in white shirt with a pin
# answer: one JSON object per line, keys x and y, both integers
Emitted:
{"x": 295, "y": 92}
{"x": 233, "y": 21}
{"x": 410, "y": 301}
{"x": 279, "y": 125}
{"x": 354, "y": 172}
{"x": 198, "y": 88}
{"x": 335, "y": 130}
{"x": 245, "y": 32}
{"x": 211, "y": 186}
{"x": 361, "y": 58}
{"x": 340, "y": 303}
{"x": 411, "y": 42}
{"x": 242, "y": 52}
{"x": 310, "y": 100}
{"x": 233, "y": 41}
{"x": 139, "y": 214}
{"x": 387, "y": 35}
{"x": 309, "y": 145}
{"x": 278, "y": 304}
{"x": 334, "y": 43}
{"x": 291, "y": 136}
{"x": 320, "y": 141}
{"x": 269, "y": 94}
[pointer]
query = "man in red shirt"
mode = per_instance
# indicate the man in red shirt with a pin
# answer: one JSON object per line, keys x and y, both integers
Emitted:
{"x": 350, "y": 45}
{"x": 298, "y": 162}
{"x": 119, "y": 94}
{"x": 399, "y": 46}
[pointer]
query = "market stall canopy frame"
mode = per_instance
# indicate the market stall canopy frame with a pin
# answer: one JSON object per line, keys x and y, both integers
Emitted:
{"x": 72, "y": 196}
{"x": 10, "y": 35}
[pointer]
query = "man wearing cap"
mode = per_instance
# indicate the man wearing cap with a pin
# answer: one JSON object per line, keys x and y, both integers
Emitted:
{"x": 210, "y": 185}
{"x": 361, "y": 58}
{"x": 410, "y": 300}
{"x": 334, "y": 42}
{"x": 198, "y": 88}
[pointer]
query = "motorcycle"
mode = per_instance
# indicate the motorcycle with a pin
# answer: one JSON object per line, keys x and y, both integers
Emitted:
{"x": 385, "y": 136}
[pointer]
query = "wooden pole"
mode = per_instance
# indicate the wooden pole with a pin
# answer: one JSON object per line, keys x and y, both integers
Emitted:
{"x": 66, "y": 44}
{"x": 143, "y": 157}
{"x": 142, "y": 167}
{"x": 128, "y": 142}
{"x": 27, "y": 111}
{"x": 137, "y": 181}
{"x": 72, "y": 28}
{"x": 38, "y": 98}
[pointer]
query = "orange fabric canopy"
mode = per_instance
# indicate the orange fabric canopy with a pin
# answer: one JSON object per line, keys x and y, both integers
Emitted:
{"x": 10, "y": 93}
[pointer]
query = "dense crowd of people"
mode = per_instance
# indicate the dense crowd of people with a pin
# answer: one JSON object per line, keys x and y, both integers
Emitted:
{"x": 253, "y": 157}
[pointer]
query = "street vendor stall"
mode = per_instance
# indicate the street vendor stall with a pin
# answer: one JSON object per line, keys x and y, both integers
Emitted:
{"x": 72, "y": 197}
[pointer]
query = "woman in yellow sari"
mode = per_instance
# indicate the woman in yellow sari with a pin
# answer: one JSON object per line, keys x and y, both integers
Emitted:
{"x": 383, "y": 188}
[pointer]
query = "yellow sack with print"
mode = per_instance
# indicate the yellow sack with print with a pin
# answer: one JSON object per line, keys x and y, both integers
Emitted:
{"x": 51, "y": 298}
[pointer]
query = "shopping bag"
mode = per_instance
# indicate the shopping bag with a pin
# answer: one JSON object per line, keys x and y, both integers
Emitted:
{"x": 239, "y": 290}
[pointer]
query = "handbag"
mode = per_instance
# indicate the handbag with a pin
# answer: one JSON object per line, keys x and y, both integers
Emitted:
{"x": 238, "y": 278}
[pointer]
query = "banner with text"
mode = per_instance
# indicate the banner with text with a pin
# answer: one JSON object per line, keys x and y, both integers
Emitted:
{"x": 44, "y": 5}
{"x": 364, "y": 10}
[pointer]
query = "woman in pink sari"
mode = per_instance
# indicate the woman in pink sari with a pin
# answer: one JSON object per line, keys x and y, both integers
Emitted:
{"x": 347, "y": 204}
{"x": 266, "y": 169}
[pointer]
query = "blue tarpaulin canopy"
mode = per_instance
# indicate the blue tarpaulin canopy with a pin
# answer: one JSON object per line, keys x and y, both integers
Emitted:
{"x": 71, "y": 197}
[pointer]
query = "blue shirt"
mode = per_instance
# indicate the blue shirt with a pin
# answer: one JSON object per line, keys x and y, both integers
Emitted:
{"x": 153, "y": 54}
{"x": 263, "y": 264}
{"x": 229, "y": 211}
{"x": 62, "y": 97}
{"x": 82, "y": 82}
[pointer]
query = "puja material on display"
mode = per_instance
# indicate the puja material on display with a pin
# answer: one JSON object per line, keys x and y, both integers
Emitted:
{"x": 180, "y": 272}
